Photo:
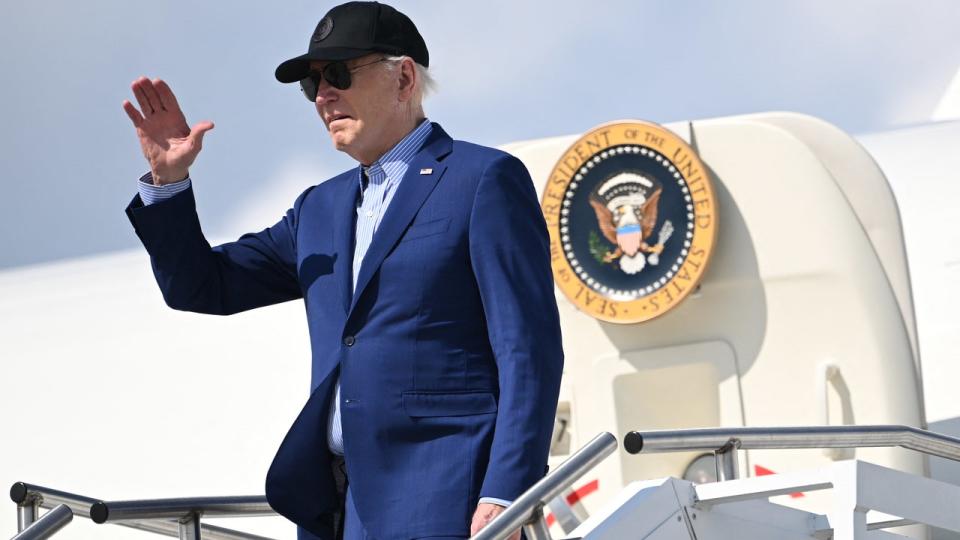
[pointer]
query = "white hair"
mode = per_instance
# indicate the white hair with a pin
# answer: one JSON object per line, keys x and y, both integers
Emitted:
{"x": 427, "y": 86}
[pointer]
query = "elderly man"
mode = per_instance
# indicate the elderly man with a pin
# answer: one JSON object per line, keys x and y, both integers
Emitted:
{"x": 426, "y": 278}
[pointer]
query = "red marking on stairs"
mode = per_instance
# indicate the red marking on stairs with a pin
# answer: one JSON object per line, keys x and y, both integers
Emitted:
{"x": 576, "y": 497}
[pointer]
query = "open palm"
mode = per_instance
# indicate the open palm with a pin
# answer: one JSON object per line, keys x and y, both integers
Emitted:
{"x": 168, "y": 143}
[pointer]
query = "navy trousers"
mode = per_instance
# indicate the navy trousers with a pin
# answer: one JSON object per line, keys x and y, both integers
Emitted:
{"x": 352, "y": 527}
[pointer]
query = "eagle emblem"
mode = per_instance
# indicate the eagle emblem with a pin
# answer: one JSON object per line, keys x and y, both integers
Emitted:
{"x": 626, "y": 206}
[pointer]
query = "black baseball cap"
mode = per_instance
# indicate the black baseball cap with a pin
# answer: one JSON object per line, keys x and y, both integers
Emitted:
{"x": 354, "y": 29}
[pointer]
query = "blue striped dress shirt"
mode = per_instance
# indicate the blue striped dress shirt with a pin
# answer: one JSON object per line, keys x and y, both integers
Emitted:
{"x": 383, "y": 176}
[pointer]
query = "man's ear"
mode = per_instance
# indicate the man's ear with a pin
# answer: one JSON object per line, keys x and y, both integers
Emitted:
{"x": 407, "y": 80}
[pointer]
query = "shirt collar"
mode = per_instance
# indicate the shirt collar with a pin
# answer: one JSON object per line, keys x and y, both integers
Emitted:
{"x": 397, "y": 160}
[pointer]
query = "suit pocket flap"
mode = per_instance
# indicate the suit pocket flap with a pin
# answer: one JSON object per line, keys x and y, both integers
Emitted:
{"x": 420, "y": 404}
{"x": 427, "y": 228}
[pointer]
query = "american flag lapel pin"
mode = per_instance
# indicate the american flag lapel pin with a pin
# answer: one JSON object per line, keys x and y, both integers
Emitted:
{"x": 426, "y": 171}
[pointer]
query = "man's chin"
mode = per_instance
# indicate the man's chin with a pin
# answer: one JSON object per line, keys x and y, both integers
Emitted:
{"x": 339, "y": 142}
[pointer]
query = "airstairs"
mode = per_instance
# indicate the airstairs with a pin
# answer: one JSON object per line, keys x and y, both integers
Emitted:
{"x": 868, "y": 501}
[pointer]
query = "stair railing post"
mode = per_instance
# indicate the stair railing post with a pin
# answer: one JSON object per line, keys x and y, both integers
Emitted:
{"x": 28, "y": 511}
{"x": 536, "y": 528}
{"x": 190, "y": 527}
{"x": 47, "y": 525}
{"x": 728, "y": 466}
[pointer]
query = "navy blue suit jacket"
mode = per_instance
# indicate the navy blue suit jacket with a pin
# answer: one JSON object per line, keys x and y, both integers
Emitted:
{"x": 449, "y": 351}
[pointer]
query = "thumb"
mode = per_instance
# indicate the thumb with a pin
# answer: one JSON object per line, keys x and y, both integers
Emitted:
{"x": 198, "y": 130}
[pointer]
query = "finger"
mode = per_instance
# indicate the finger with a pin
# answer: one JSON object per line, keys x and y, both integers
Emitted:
{"x": 152, "y": 95}
{"x": 202, "y": 127}
{"x": 476, "y": 523}
{"x": 142, "y": 98}
{"x": 167, "y": 98}
{"x": 133, "y": 113}
{"x": 196, "y": 133}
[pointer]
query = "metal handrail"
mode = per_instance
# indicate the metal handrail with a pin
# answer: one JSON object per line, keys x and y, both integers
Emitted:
{"x": 766, "y": 438}
{"x": 179, "y": 509}
{"x": 45, "y": 527}
{"x": 527, "y": 510}
{"x": 30, "y": 497}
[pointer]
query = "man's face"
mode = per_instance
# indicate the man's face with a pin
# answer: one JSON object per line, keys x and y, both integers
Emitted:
{"x": 359, "y": 117}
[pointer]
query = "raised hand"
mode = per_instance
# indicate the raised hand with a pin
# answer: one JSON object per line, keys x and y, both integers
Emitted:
{"x": 169, "y": 145}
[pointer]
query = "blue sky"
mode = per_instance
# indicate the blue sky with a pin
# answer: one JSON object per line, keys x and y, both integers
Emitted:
{"x": 507, "y": 71}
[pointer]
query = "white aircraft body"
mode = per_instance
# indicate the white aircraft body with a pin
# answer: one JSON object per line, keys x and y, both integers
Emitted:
{"x": 830, "y": 299}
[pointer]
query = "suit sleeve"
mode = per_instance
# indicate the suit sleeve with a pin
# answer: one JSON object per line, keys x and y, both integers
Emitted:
{"x": 257, "y": 270}
{"x": 510, "y": 255}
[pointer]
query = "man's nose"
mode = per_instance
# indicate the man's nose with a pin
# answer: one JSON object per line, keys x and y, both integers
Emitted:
{"x": 326, "y": 93}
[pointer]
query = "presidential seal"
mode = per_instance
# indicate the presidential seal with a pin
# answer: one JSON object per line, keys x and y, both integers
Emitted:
{"x": 633, "y": 220}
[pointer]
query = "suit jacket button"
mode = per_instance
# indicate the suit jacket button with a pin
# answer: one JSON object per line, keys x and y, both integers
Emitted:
{"x": 349, "y": 341}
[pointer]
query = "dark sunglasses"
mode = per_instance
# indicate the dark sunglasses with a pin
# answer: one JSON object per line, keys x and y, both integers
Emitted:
{"x": 335, "y": 73}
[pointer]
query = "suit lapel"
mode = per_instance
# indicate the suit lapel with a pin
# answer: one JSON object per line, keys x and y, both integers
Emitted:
{"x": 345, "y": 219}
{"x": 411, "y": 193}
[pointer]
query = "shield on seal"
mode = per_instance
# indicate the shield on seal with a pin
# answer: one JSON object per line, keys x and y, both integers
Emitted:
{"x": 628, "y": 238}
